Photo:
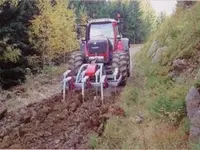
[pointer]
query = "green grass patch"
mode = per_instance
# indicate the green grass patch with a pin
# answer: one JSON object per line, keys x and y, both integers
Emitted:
{"x": 152, "y": 91}
{"x": 166, "y": 108}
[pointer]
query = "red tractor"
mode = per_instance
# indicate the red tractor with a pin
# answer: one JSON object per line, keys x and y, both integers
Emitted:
{"x": 103, "y": 59}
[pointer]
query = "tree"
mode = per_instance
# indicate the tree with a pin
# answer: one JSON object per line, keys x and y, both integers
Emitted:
{"x": 53, "y": 30}
{"x": 14, "y": 44}
{"x": 148, "y": 16}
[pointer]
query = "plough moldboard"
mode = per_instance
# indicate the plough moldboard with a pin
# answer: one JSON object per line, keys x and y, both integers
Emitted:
{"x": 91, "y": 75}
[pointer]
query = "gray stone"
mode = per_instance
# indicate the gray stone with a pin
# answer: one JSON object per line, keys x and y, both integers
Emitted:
{"x": 192, "y": 102}
{"x": 172, "y": 75}
{"x": 153, "y": 48}
{"x": 195, "y": 127}
{"x": 179, "y": 65}
{"x": 158, "y": 54}
{"x": 137, "y": 119}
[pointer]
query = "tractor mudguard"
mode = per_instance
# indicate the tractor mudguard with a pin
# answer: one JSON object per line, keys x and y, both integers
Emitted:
{"x": 82, "y": 46}
{"x": 125, "y": 43}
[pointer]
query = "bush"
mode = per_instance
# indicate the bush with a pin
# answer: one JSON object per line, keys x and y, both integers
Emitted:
{"x": 12, "y": 77}
{"x": 130, "y": 95}
{"x": 52, "y": 32}
{"x": 167, "y": 108}
{"x": 197, "y": 84}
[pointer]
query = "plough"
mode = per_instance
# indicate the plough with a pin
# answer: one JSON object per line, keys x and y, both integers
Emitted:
{"x": 90, "y": 76}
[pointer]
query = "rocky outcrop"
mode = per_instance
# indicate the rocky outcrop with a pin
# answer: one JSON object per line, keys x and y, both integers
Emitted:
{"x": 158, "y": 54}
{"x": 153, "y": 49}
{"x": 193, "y": 112}
{"x": 192, "y": 102}
{"x": 195, "y": 127}
{"x": 155, "y": 52}
{"x": 179, "y": 65}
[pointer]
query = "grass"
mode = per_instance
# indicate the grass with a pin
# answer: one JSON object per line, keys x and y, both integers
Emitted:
{"x": 162, "y": 103}
{"x": 54, "y": 70}
{"x": 153, "y": 93}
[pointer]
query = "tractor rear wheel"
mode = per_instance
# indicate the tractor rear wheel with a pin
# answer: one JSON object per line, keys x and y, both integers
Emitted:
{"x": 128, "y": 65}
{"x": 120, "y": 61}
{"x": 76, "y": 59}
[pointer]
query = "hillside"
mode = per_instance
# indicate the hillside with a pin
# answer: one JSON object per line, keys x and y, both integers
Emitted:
{"x": 159, "y": 99}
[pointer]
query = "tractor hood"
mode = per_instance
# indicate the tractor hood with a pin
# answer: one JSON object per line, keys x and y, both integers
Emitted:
{"x": 98, "y": 45}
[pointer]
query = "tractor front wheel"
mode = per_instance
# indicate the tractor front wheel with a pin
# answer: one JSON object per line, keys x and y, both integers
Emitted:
{"x": 76, "y": 59}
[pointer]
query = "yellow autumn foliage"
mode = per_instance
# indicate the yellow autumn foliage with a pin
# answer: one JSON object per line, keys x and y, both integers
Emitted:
{"x": 53, "y": 30}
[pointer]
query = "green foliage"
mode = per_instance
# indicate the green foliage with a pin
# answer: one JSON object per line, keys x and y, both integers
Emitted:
{"x": 180, "y": 33}
{"x": 167, "y": 108}
{"x": 196, "y": 146}
{"x": 184, "y": 127}
{"x": 53, "y": 31}
{"x": 148, "y": 16}
{"x": 135, "y": 27}
{"x": 93, "y": 141}
{"x": 14, "y": 44}
{"x": 130, "y": 95}
{"x": 197, "y": 84}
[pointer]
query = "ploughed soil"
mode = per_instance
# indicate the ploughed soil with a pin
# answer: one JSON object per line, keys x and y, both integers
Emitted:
{"x": 52, "y": 123}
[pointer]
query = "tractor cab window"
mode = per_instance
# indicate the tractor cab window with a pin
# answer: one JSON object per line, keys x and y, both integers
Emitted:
{"x": 105, "y": 30}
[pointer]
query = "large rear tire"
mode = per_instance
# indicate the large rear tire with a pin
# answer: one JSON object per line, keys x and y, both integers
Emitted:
{"x": 76, "y": 59}
{"x": 128, "y": 65}
{"x": 120, "y": 61}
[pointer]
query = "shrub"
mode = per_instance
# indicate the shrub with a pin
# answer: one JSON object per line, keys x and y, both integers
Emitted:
{"x": 53, "y": 31}
{"x": 167, "y": 108}
{"x": 130, "y": 95}
{"x": 197, "y": 84}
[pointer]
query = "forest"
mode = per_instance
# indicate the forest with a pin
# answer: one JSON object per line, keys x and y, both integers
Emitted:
{"x": 34, "y": 34}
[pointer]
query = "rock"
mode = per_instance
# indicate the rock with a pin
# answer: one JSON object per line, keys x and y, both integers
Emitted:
{"x": 153, "y": 48}
{"x": 28, "y": 71}
{"x": 138, "y": 120}
{"x": 179, "y": 65}
{"x": 192, "y": 102}
{"x": 195, "y": 127}
{"x": 3, "y": 112}
{"x": 158, "y": 54}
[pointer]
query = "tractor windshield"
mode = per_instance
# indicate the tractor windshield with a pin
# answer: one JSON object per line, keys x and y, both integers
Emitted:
{"x": 105, "y": 30}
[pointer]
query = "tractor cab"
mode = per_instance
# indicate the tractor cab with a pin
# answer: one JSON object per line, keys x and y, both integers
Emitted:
{"x": 102, "y": 39}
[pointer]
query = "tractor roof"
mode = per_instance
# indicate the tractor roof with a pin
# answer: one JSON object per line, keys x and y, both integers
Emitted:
{"x": 102, "y": 20}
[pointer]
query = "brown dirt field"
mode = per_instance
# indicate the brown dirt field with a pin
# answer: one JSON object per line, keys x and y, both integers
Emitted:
{"x": 52, "y": 123}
